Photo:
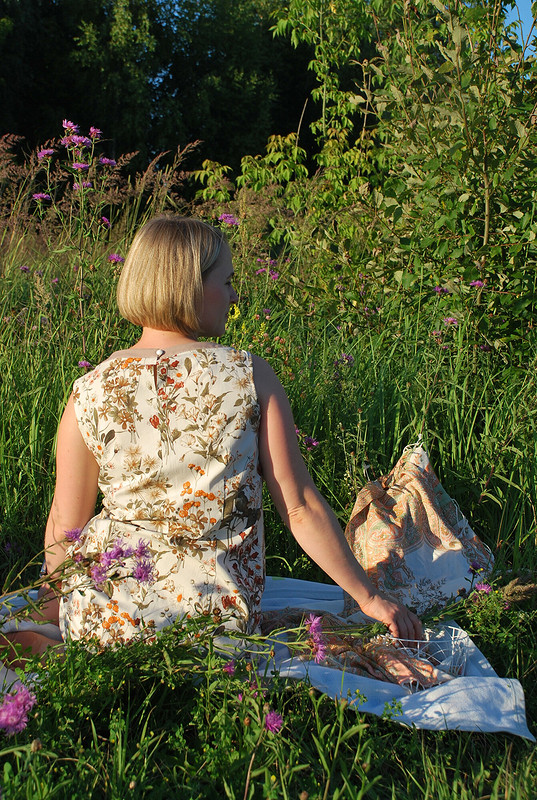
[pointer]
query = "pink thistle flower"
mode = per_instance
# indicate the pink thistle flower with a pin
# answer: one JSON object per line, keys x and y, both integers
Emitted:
{"x": 319, "y": 650}
{"x": 313, "y": 624}
{"x": 273, "y": 722}
{"x": 74, "y": 535}
{"x": 228, "y": 219}
{"x": 229, "y": 668}
{"x": 45, "y": 153}
{"x": 98, "y": 575}
{"x": 107, "y": 162}
{"x": 95, "y": 133}
{"x": 80, "y": 141}
{"x": 142, "y": 550}
{"x": 41, "y": 196}
{"x": 69, "y": 126}
{"x": 486, "y": 588}
{"x": 143, "y": 572}
{"x": 14, "y": 709}
{"x": 115, "y": 258}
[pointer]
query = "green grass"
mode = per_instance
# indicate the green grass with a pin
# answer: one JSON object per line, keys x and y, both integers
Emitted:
{"x": 164, "y": 720}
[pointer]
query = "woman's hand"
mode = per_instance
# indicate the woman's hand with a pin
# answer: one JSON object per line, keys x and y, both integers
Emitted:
{"x": 401, "y": 622}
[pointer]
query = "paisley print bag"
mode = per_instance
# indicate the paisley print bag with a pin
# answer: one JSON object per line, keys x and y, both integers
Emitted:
{"x": 411, "y": 537}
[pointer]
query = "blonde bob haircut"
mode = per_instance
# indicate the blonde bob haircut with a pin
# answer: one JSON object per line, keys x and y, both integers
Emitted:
{"x": 161, "y": 282}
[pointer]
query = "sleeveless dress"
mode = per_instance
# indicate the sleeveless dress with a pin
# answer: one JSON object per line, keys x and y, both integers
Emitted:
{"x": 181, "y": 529}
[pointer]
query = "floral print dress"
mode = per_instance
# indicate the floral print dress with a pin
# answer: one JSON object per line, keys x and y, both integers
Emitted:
{"x": 181, "y": 530}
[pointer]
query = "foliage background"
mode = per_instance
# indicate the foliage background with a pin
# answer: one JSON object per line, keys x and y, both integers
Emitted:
{"x": 385, "y": 257}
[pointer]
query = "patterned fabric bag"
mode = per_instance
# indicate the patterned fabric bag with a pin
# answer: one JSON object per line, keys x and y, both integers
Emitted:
{"x": 411, "y": 537}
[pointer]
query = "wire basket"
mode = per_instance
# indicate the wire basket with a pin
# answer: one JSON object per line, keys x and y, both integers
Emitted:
{"x": 445, "y": 648}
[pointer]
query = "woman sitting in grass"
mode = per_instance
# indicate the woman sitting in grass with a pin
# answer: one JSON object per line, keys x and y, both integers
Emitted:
{"x": 178, "y": 434}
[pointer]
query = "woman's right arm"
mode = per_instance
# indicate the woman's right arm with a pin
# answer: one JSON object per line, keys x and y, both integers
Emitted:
{"x": 307, "y": 515}
{"x": 75, "y": 492}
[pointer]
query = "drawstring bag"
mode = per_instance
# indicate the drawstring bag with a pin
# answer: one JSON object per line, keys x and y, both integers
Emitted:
{"x": 412, "y": 539}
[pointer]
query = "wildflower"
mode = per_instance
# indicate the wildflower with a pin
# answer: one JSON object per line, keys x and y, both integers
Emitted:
{"x": 80, "y": 166}
{"x": 485, "y": 347}
{"x": 41, "y": 196}
{"x": 83, "y": 185}
{"x": 105, "y": 222}
{"x": 45, "y": 153}
{"x": 54, "y": 280}
{"x": 319, "y": 650}
{"x": 107, "y": 162}
{"x": 74, "y": 535}
{"x": 313, "y": 624}
{"x": 70, "y": 126}
{"x": 229, "y": 668}
{"x": 14, "y": 709}
{"x": 39, "y": 273}
{"x": 229, "y": 219}
{"x": 142, "y": 549}
{"x": 273, "y": 275}
{"x": 80, "y": 141}
{"x": 441, "y": 290}
{"x": 115, "y": 258}
{"x": 24, "y": 268}
{"x": 475, "y": 566}
{"x": 310, "y": 442}
{"x": 477, "y": 284}
{"x": 143, "y": 572}
{"x": 95, "y": 133}
{"x": 273, "y": 721}
{"x": 266, "y": 312}
{"x": 450, "y": 321}
{"x": 486, "y": 588}
{"x": 98, "y": 575}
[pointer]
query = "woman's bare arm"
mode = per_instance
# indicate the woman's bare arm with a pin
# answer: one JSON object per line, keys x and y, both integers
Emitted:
{"x": 76, "y": 489}
{"x": 306, "y": 513}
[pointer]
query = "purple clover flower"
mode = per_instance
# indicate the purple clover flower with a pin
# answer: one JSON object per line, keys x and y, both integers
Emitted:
{"x": 74, "y": 535}
{"x": 85, "y": 364}
{"x": 273, "y": 721}
{"x": 24, "y": 268}
{"x": 41, "y": 196}
{"x": 115, "y": 258}
{"x": 485, "y": 347}
{"x": 45, "y": 153}
{"x": 69, "y": 126}
{"x": 107, "y": 162}
{"x": 477, "y": 284}
{"x": 310, "y": 442}
{"x": 441, "y": 290}
{"x": 450, "y": 321}
{"x": 273, "y": 275}
{"x": 14, "y": 709}
{"x": 229, "y": 667}
{"x": 95, "y": 133}
{"x": 228, "y": 219}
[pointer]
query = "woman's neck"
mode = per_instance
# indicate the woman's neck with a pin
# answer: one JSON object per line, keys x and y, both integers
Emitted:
{"x": 153, "y": 339}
